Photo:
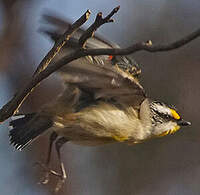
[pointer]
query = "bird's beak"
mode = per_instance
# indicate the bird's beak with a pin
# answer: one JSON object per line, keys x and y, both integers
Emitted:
{"x": 184, "y": 123}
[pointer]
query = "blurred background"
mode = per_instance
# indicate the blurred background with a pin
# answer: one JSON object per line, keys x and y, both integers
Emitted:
{"x": 167, "y": 166}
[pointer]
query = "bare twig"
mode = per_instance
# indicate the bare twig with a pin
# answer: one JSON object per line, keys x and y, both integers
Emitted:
{"x": 144, "y": 46}
{"x": 97, "y": 23}
{"x": 10, "y": 108}
{"x": 61, "y": 42}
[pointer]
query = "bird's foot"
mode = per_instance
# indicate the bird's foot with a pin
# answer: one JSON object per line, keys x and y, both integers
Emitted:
{"x": 47, "y": 171}
{"x": 45, "y": 179}
{"x": 62, "y": 178}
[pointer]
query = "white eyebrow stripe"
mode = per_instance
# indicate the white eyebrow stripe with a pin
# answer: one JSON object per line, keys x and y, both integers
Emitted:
{"x": 164, "y": 110}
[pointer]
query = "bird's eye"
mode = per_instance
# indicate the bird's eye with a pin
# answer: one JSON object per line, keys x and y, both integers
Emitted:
{"x": 167, "y": 116}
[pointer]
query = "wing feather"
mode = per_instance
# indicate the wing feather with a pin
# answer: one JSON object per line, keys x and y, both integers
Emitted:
{"x": 60, "y": 25}
{"x": 98, "y": 75}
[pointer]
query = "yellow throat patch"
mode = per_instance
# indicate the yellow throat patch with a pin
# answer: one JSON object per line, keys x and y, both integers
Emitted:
{"x": 171, "y": 131}
{"x": 120, "y": 138}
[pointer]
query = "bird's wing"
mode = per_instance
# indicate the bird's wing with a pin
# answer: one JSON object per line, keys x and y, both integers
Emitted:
{"x": 104, "y": 81}
{"x": 59, "y": 26}
{"x": 102, "y": 76}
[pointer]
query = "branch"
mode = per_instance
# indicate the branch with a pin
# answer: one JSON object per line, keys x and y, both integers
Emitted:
{"x": 97, "y": 23}
{"x": 61, "y": 42}
{"x": 10, "y": 108}
{"x": 144, "y": 46}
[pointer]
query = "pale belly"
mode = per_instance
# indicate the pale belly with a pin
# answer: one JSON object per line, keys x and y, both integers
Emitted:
{"x": 99, "y": 125}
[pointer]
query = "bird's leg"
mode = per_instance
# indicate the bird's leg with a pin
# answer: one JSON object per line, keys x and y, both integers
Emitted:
{"x": 59, "y": 143}
{"x": 62, "y": 175}
{"x": 52, "y": 138}
{"x": 45, "y": 166}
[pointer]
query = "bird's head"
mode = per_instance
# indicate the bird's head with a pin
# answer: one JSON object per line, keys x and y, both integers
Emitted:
{"x": 165, "y": 119}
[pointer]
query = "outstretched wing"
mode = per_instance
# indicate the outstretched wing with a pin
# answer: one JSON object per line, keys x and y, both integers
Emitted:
{"x": 105, "y": 77}
{"x": 104, "y": 81}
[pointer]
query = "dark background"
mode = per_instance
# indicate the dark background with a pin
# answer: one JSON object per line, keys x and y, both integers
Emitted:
{"x": 167, "y": 166}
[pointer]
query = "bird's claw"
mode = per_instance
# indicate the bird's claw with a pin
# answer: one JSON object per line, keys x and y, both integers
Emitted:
{"x": 59, "y": 184}
{"x": 62, "y": 177}
{"x": 47, "y": 172}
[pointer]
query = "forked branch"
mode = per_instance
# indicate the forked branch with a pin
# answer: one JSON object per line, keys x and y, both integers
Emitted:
{"x": 61, "y": 42}
{"x": 12, "y": 106}
{"x": 97, "y": 23}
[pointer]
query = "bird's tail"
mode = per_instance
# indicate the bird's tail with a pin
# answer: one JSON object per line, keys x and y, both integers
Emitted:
{"x": 26, "y": 128}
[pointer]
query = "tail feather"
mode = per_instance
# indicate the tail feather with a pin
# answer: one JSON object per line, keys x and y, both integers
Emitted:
{"x": 28, "y": 128}
{"x": 19, "y": 120}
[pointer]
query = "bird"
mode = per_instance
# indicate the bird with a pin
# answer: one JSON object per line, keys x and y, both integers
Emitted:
{"x": 102, "y": 102}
